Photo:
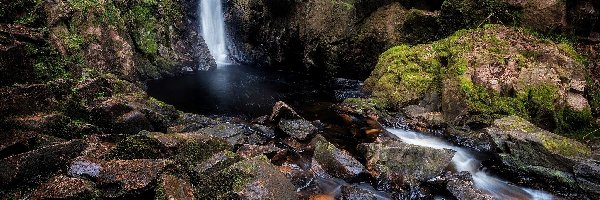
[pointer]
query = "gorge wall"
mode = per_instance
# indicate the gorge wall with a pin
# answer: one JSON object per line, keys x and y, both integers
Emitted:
{"x": 134, "y": 40}
{"x": 345, "y": 37}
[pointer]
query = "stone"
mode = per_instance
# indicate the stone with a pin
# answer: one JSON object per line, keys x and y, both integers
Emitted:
{"x": 172, "y": 187}
{"x": 350, "y": 192}
{"x": 461, "y": 186}
{"x": 535, "y": 153}
{"x": 129, "y": 175}
{"x": 337, "y": 162}
{"x": 299, "y": 129}
{"x": 250, "y": 151}
{"x": 63, "y": 187}
{"x": 396, "y": 164}
{"x": 283, "y": 111}
{"x": 587, "y": 174}
{"x": 254, "y": 178}
{"x": 28, "y": 166}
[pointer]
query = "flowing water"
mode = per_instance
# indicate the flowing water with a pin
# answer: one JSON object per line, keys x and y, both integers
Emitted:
{"x": 466, "y": 160}
{"x": 213, "y": 29}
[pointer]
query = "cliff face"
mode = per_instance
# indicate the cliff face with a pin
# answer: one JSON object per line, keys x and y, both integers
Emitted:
{"x": 345, "y": 37}
{"x": 134, "y": 40}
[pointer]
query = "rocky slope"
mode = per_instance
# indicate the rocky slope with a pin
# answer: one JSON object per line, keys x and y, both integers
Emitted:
{"x": 134, "y": 40}
{"x": 346, "y": 37}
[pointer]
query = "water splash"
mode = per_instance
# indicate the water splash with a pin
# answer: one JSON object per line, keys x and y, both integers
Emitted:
{"x": 213, "y": 29}
{"x": 464, "y": 160}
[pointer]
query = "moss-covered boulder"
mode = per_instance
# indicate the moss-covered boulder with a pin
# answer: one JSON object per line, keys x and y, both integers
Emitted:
{"x": 173, "y": 187}
{"x": 486, "y": 73}
{"x": 187, "y": 149}
{"x": 533, "y": 152}
{"x": 255, "y": 178}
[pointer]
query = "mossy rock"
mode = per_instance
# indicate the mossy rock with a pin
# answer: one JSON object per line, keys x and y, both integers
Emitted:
{"x": 487, "y": 73}
{"x": 187, "y": 149}
{"x": 255, "y": 178}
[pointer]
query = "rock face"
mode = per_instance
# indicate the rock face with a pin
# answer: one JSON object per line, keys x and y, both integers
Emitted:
{"x": 299, "y": 129}
{"x": 136, "y": 40}
{"x": 398, "y": 165}
{"x": 323, "y": 35}
{"x": 488, "y": 73}
{"x": 527, "y": 149}
{"x": 63, "y": 187}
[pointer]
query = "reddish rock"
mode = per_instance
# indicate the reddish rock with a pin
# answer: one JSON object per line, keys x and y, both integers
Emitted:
{"x": 172, "y": 187}
{"x": 283, "y": 111}
{"x": 63, "y": 187}
{"x": 336, "y": 162}
{"x": 129, "y": 175}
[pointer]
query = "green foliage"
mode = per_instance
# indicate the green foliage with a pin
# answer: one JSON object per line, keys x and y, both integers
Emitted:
{"x": 460, "y": 14}
{"x": 142, "y": 19}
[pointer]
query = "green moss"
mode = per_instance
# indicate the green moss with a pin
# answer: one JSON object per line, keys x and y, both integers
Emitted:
{"x": 461, "y": 14}
{"x": 138, "y": 147}
{"x": 144, "y": 22}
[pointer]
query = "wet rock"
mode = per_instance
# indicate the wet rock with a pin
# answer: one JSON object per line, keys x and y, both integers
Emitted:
{"x": 255, "y": 178}
{"x": 236, "y": 134}
{"x": 250, "y": 151}
{"x": 398, "y": 164}
{"x": 191, "y": 123}
{"x": 303, "y": 179}
{"x": 172, "y": 187}
{"x": 461, "y": 186}
{"x": 119, "y": 177}
{"x": 587, "y": 174}
{"x": 283, "y": 111}
{"x": 63, "y": 187}
{"x": 337, "y": 162}
{"x": 351, "y": 192}
{"x": 184, "y": 148}
{"x": 215, "y": 163}
{"x": 264, "y": 131}
{"x": 423, "y": 117}
{"x": 300, "y": 129}
{"x": 33, "y": 165}
{"x": 531, "y": 151}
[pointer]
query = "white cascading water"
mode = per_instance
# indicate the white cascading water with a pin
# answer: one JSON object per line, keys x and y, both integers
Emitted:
{"x": 213, "y": 29}
{"x": 463, "y": 160}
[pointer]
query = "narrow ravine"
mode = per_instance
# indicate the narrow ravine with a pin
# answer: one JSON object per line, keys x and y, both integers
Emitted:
{"x": 465, "y": 160}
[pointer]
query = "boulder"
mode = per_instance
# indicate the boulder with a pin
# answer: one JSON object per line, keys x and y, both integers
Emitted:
{"x": 587, "y": 174}
{"x": 283, "y": 111}
{"x": 121, "y": 177}
{"x": 489, "y": 72}
{"x": 185, "y": 148}
{"x": 351, "y": 192}
{"x": 399, "y": 165}
{"x": 299, "y": 129}
{"x": 172, "y": 187}
{"x": 33, "y": 165}
{"x": 337, "y": 162}
{"x": 255, "y": 178}
{"x": 63, "y": 187}
{"x": 530, "y": 151}
{"x": 236, "y": 134}
{"x": 461, "y": 186}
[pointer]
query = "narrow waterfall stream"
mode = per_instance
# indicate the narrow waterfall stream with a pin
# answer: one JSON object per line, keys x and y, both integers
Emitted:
{"x": 465, "y": 160}
{"x": 213, "y": 29}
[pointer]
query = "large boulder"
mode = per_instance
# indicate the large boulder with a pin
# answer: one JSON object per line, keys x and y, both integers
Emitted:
{"x": 336, "y": 162}
{"x": 299, "y": 129}
{"x": 172, "y": 187}
{"x": 127, "y": 177}
{"x": 486, "y": 73}
{"x": 529, "y": 151}
{"x": 399, "y": 165}
{"x": 255, "y": 178}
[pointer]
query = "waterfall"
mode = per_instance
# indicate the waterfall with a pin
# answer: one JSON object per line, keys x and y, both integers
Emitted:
{"x": 213, "y": 29}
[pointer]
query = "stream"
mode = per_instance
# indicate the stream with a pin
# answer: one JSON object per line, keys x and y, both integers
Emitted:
{"x": 466, "y": 160}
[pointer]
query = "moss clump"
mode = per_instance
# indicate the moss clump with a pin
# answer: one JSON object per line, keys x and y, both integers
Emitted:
{"x": 144, "y": 22}
{"x": 403, "y": 74}
{"x": 484, "y": 74}
{"x": 141, "y": 146}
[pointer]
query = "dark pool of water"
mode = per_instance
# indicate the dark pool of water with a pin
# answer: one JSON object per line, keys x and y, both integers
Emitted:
{"x": 236, "y": 90}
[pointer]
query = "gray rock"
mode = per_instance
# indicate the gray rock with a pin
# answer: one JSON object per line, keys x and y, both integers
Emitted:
{"x": 587, "y": 174}
{"x": 461, "y": 186}
{"x": 398, "y": 164}
{"x": 299, "y": 129}
{"x": 336, "y": 162}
